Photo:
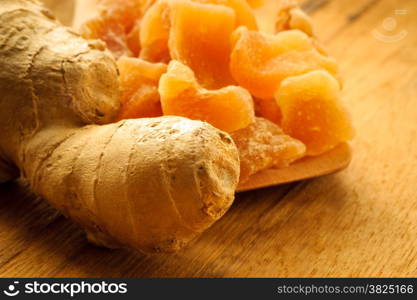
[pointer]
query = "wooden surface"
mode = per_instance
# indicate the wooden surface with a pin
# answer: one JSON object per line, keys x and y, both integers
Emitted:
{"x": 360, "y": 222}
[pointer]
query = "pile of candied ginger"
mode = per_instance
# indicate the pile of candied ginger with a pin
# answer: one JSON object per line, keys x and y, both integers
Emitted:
{"x": 252, "y": 68}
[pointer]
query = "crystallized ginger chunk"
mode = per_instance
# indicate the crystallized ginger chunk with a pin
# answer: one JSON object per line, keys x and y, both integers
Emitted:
{"x": 255, "y": 3}
{"x": 269, "y": 110}
{"x": 126, "y": 11}
{"x": 154, "y": 33}
{"x": 263, "y": 145}
{"x": 312, "y": 111}
{"x": 243, "y": 12}
{"x": 117, "y": 25}
{"x": 229, "y": 108}
{"x": 156, "y": 24}
{"x": 200, "y": 38}
{"x": 133, "y": 40}
{"x": 293, "y": 17}
{"x": 259, "y": 62}
{"x": 139, "y": 83}
{"x": 278, "y": 15}
{"x": 110, "y": 31}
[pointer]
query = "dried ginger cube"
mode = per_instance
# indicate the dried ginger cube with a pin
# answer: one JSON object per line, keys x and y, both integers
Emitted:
{"x": 263, "y": 145}
{"x": 244, "y": 14}
{"x": 200, "y": 38}
{"x": 154, "y": 32}
{"x": 229, "y": 108}
{"x": 312, "y": 111}
{"x": 117, "y": 24}
{"x": 139, "y": 81}
{"x": 156, "y": 24}
{"x": 259, "y": 62}
{"x": 269, "y": 110}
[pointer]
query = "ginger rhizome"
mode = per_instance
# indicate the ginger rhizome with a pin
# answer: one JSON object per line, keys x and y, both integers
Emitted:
{"x": 151, "y": 184}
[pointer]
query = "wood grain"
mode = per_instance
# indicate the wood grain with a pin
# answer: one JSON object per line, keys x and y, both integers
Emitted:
{"x": 360, "y": 222}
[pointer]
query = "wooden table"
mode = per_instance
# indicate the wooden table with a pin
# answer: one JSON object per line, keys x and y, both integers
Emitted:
{"x": 360, "y": 222}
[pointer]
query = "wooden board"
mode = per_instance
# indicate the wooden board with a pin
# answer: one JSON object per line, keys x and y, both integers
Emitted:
{"x": 360, "y": 222}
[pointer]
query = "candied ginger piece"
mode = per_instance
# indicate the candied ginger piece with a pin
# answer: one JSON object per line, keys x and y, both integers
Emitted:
{"x": 156, "y": 24}
{"x": 243, "y": 11}
{"x": 255, "y": 3}
{"x": 117, "y": 25}
{"x": 139, "y": 84}
{"x": 267, "y": 11}
{"x": 133, "y": 40}
{"x": 154, "y": 32}
{"x": 278, "y": 15}
{"x": 200, "y": 38}
{"x": 292, "y": 17}
{"x": 110, "y": 32}
{"x": 312, "y": 111}
{"x": 263, "y": 145}
{"x": 269, "y": 110}
{"x": 229, "y": 108}
{"x": 127, "y": 12}
{"x": 259, "y": 62}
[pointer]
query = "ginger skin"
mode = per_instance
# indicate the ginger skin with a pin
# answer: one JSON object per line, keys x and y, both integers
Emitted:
{"x": 147, "y": 184}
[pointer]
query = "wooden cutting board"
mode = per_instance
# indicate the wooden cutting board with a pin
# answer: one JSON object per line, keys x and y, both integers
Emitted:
{"x": 360, "y": 222}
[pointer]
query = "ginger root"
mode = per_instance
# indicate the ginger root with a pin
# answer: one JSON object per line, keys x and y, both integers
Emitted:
{"x": 147, "y": 184}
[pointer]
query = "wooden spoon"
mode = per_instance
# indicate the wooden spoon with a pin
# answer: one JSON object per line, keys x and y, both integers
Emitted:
{"x": 309, "y": 167}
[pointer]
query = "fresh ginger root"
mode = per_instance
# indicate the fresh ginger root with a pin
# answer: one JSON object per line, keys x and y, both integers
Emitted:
{"x": 146, "y": 184}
